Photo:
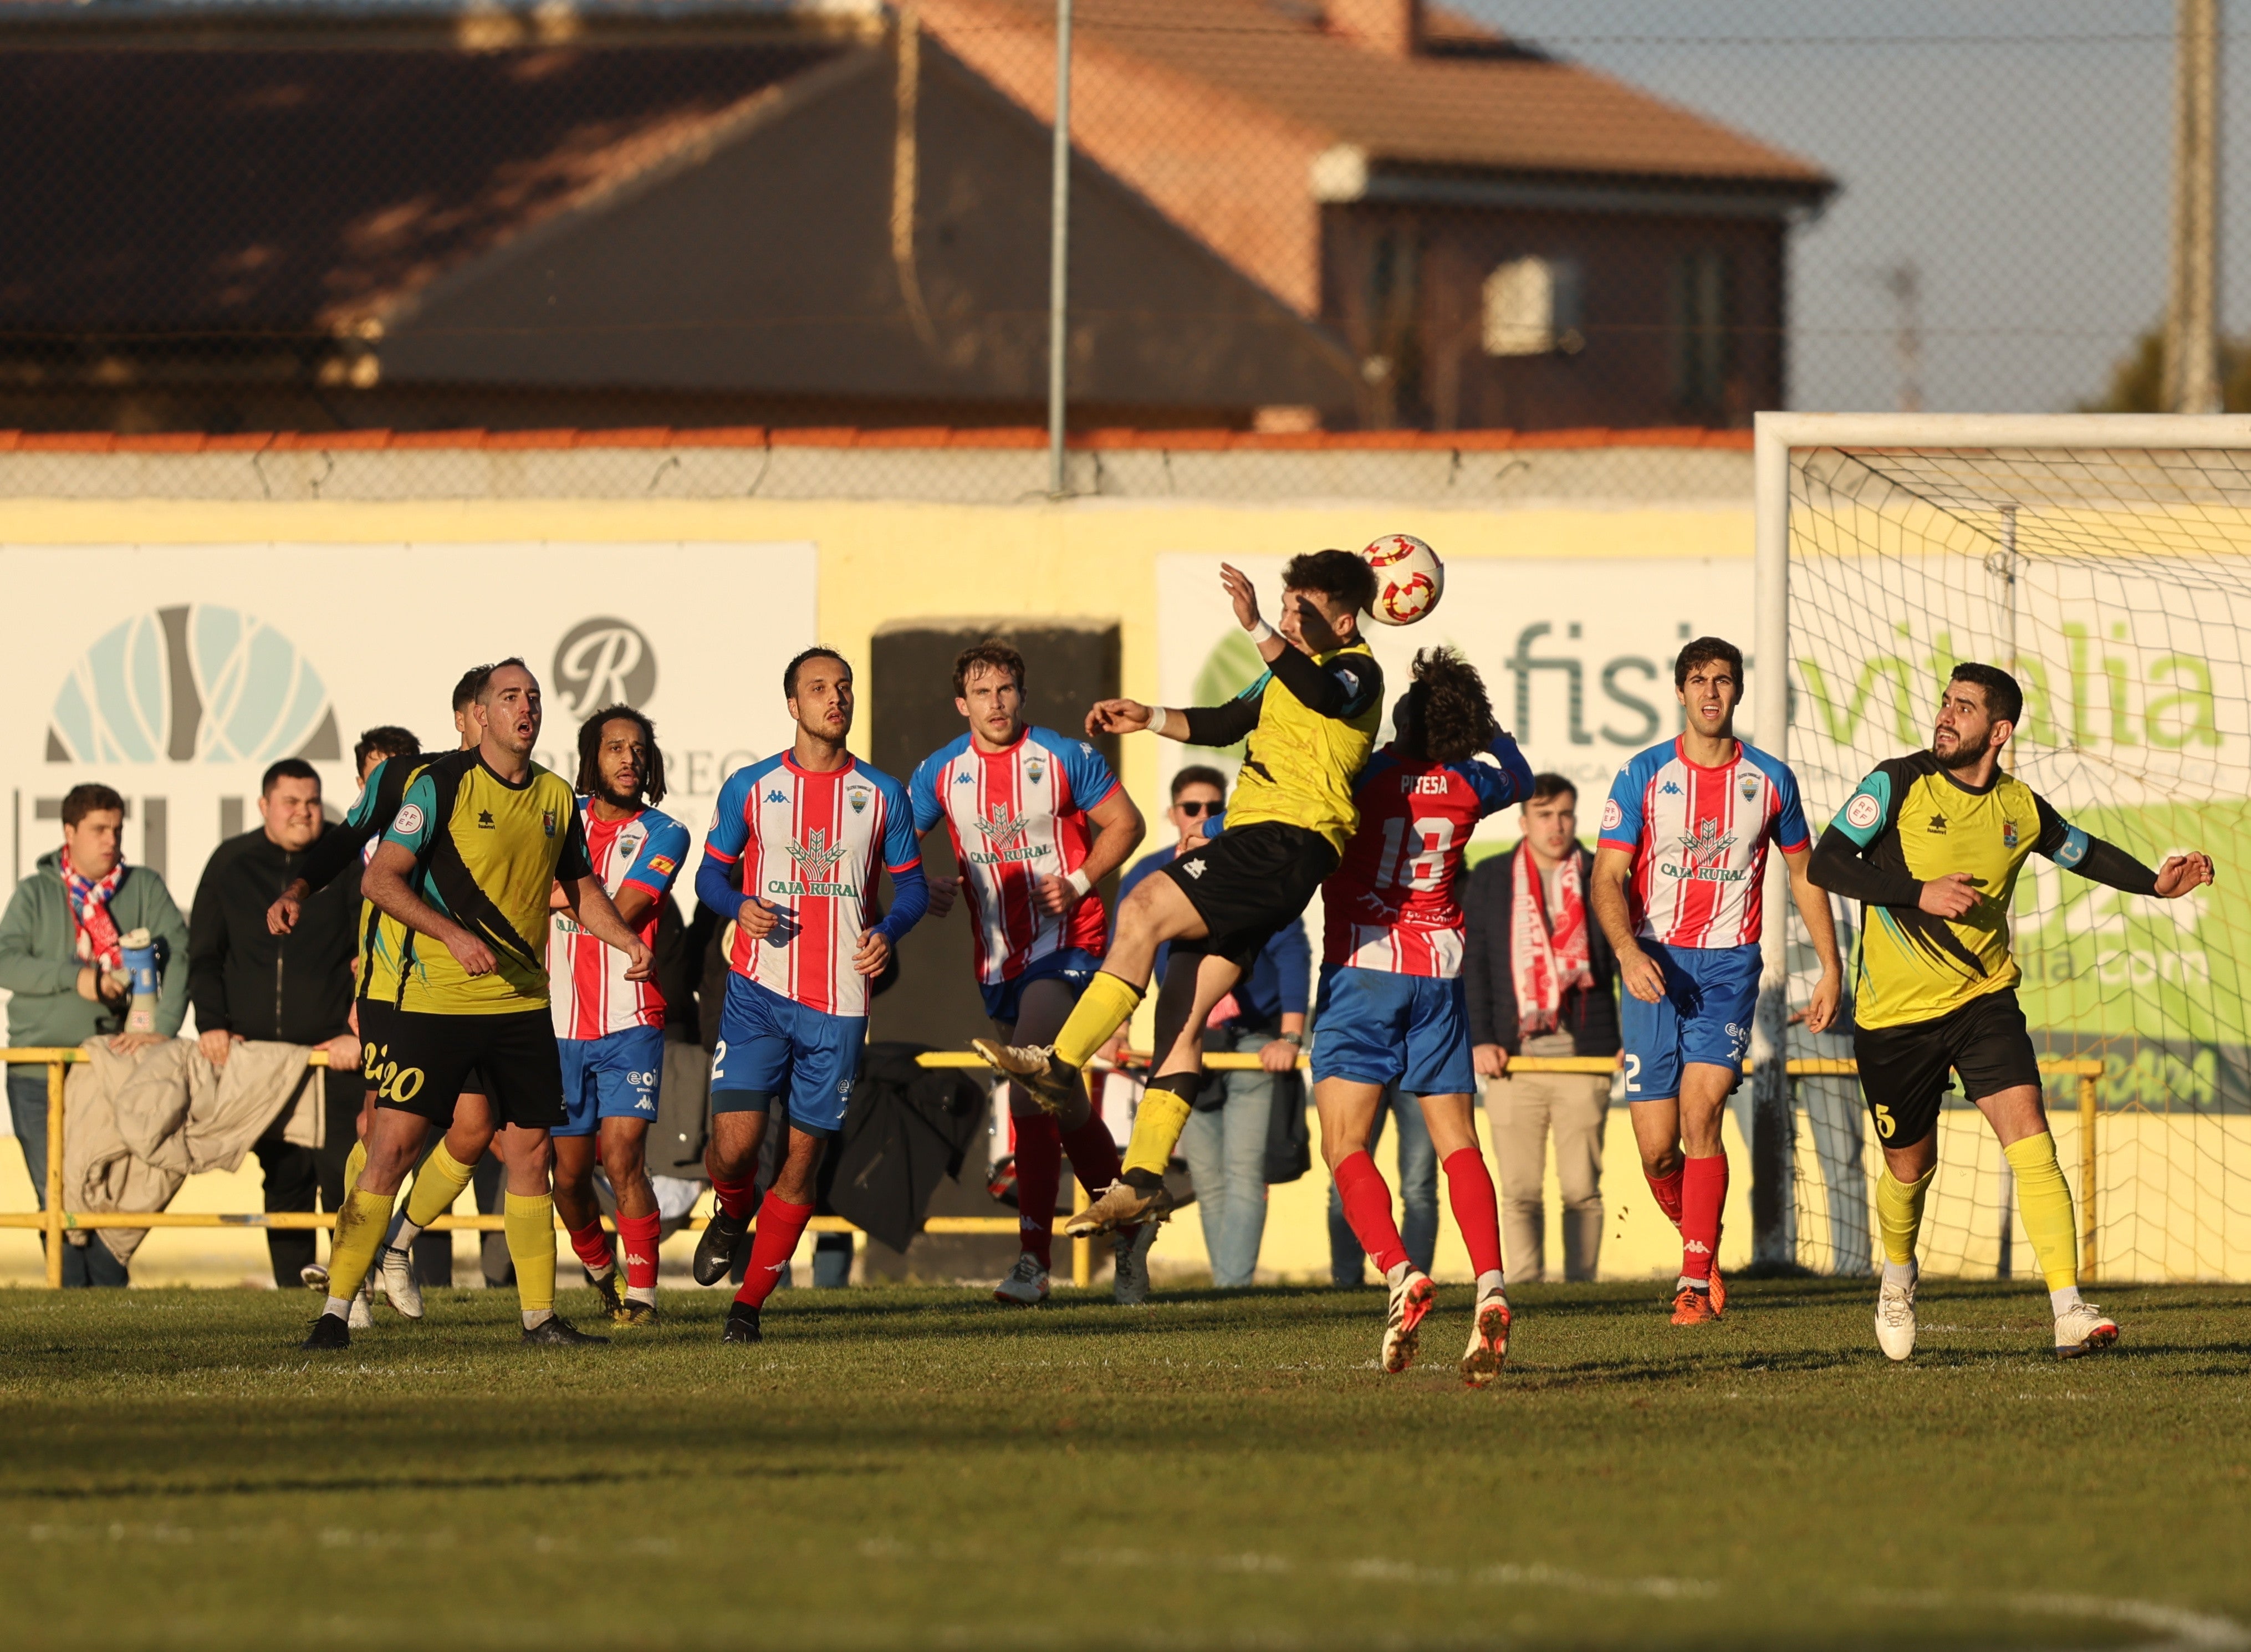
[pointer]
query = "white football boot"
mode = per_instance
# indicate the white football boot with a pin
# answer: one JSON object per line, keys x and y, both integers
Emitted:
{"x": 1026, "y": 1285}
{"x": 399, "y": 1286}
{"x": 2083, "y": 1330}
{"x": 1895, "y": 1319}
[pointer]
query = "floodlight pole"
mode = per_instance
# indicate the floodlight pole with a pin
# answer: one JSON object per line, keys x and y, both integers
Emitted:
{"x": 2191, "y": 315}
{"x": 1059, "y": 255}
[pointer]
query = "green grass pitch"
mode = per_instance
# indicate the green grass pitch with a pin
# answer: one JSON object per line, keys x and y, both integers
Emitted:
{"x": 918, "y": 1468}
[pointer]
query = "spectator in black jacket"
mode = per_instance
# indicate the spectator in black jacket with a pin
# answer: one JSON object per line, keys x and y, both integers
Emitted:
{"x": 248, "y": 983}
{"x": 1542, "y": 981}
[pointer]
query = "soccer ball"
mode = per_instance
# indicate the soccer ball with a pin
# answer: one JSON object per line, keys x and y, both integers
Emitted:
{"x": 1410, "y": 579}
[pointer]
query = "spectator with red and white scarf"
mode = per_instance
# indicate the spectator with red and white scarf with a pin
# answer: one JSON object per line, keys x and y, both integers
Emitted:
{"x": 1542, "y": 981}
{"x": 62, "y": 960}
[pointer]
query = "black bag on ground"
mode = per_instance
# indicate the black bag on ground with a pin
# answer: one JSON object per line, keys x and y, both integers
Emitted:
{"x": 1289, "y": 1143}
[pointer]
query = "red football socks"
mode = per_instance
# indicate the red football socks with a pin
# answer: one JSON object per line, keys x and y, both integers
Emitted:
{"x": 1667, "y": 1189}
{"x": 1703, "y": 1196}
{"x": 637, "y": 1238}
{"x": 1093, "y": 1154}
{"x": 593, "y": 1247}
{"x": 1039, "y": 1176}
{"x": 739, "y": 1198}
{"x": 1366, "y": 1200}
{"x": 1477, "y": 1211}
{"x": 780, "y": 1226}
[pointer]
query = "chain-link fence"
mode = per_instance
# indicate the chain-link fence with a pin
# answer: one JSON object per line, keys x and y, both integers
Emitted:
{"x": 1285, "y": 216}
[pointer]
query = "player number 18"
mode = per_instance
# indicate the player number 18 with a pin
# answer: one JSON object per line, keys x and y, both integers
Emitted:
{"x": 1425, "y": 869}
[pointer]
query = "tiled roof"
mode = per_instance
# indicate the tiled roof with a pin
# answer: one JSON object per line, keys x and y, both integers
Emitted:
{"x": 293, "y": 189}
{"x": 1471, "y": 99}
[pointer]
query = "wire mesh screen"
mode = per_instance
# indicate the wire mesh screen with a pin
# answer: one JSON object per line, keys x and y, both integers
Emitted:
{"x": 1285, "y": 216}
{"x": 2117, "y": 585}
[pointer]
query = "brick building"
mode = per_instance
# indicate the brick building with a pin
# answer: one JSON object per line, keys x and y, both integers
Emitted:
{"x": 282, "y": 215}
{"x": 1501, "y": 240}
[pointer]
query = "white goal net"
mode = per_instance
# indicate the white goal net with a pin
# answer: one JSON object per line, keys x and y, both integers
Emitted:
{"x": 2107, "y": 563}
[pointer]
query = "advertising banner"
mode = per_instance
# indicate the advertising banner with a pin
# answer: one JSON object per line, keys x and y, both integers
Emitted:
{"x": 177, "y": 673}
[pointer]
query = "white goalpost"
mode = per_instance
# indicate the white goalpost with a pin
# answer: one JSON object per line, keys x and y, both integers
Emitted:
{"x": 2106, "y": 561}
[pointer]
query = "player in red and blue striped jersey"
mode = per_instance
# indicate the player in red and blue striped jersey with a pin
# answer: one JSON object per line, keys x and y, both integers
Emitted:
{"x": 1392, "y": 1010}
{"x": 1678, "y": 873}
{"x": 609, "y": 1029}
{"x": 810, "y": 827}
{"x": 1037, "y": 819}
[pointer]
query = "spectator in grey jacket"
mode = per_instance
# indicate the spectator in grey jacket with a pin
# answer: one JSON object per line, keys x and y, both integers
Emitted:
{"x": 58, "y": 955}
{"x": 1542, "y": 981}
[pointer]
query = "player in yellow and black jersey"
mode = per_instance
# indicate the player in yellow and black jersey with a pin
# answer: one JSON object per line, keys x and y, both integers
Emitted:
{"x": 1932, "y": 846}
{"x": 463, "y": 877}
{"x": 1311, "y": 720}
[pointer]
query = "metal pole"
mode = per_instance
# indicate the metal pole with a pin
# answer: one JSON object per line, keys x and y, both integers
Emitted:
{"x": 2191, "y": 315}
{"x": 2089, "y": 1113}
{"x": 1773, "y": 1200}
{"x": 55, "y": 1175}
{"x": 1059, "y": 253}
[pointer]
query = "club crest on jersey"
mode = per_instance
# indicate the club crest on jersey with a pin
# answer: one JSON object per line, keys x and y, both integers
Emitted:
{"x": 1703, "y": 856}
{"x": 1035, "y": 770}
{"x": 1748, "y": 786}
{"x": 547, "y": 821}
{"x": 857, "y": 797}
{"x": 2008, "y": 834}
{"x": 816, "y": 861}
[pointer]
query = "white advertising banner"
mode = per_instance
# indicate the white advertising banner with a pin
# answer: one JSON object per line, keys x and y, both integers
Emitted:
{"x": 177, "y": 673}
{"x": 1576, "y": 653}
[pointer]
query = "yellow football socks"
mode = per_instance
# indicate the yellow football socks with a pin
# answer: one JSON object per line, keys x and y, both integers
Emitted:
{"x": 2044, "y": 1201}
{"x": 437, "y": 1184}
{"x": 1107, "y": 1003}
{"x": 1899, "y": 1214}
{"x": 530, "y": 1226}
{"x": 355, "y": 1162}
{"x": 360, "y": 1226}
{"x": 1156, "y": 1129}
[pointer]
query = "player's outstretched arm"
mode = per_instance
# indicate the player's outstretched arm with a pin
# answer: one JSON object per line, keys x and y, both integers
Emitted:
{"x": 597, "y": 914}
{"x": 384, "y": 885}
{"x": 1821, "y": 924}
{"x": 1636, "y": 968}
{"x": 2108, "y": 864}
{"x": 1838, "y": 866}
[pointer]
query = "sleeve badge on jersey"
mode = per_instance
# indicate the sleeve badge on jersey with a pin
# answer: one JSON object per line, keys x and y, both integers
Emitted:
{"x": 1863, "y": 812}
{"x": 1613, "y": 817}
{"x": 661, "y": 865}
{"x": 408, "y": 820}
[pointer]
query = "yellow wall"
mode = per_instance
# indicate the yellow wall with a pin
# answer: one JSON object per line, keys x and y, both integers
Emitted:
{"x": 886, "y": 562}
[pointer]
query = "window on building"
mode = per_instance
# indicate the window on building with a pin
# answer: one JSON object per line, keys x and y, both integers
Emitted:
{"x": 1531, "y": 307}
{"x": 1700, "y": 312}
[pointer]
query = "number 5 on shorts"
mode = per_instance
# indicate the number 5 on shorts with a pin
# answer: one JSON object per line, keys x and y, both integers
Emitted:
{"x": 1884, "y": 1122}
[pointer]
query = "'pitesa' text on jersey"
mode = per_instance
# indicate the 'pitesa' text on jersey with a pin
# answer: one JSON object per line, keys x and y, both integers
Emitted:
{"x": 1015, "y": 816}
{"x": 1390, "y": 904}
{"x": 1699, "y": 838}
{"x": 810, "y": 846}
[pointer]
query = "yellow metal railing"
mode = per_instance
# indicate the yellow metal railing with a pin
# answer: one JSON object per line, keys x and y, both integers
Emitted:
{"x": 54, "y": 1220}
